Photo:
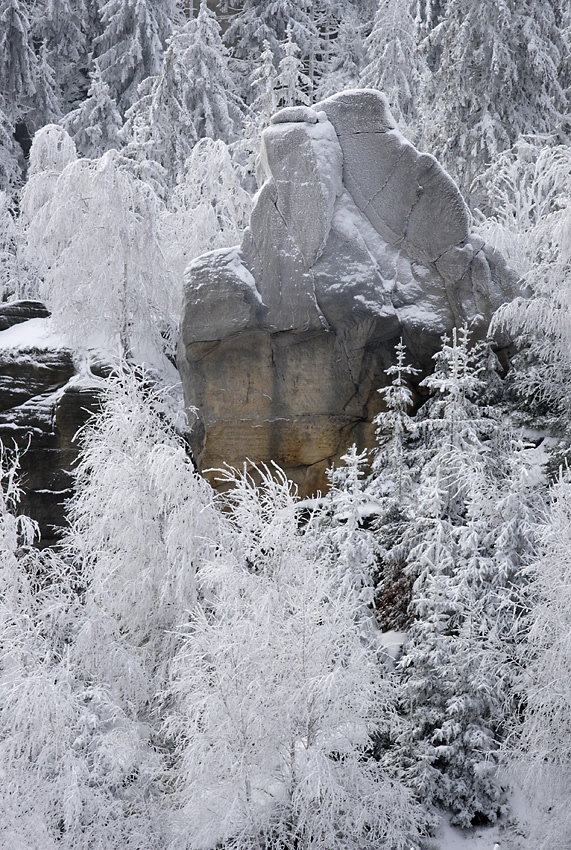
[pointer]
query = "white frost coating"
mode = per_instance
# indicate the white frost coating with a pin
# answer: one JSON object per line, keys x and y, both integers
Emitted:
{"x": 329, "y": 161}
{"x": 33, "y": 333}
{"x": 233, "y": 260}
{"x": 350, "y": 223}
{"x": 392, "y": 642}
{"x": 294, "y": 114}
{"x": 242, "y": 273}
{"x": 328, "y": 155}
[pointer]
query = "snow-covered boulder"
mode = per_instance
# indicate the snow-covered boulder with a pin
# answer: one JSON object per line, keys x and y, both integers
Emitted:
{"x": 355, "y": 239}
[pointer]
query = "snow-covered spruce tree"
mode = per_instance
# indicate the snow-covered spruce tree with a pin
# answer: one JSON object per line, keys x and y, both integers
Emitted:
{"x": 18, "y": 75}
{"x": 264, "y": 84}
{"x": 391, "y": 483}
{"x": 292, "y": 83}
{"x": 61, "y": 29}
{"x": 257, "y": 21}
{"x": 17, "y": 60}
{"x": 395, "y": 65}
{"x": 540, "y": 753}
{"x": 95, "y": 124}
{"x": 344, "y": 54}
{"x": 194, "y": 95}
{"x": 394, "y": 426}
{"x": 11, "y": 159}
{"x": 208, "y": 209}
{"x": 346, "y": 507}
{"x": 495, "y": 78}
{"x": 454, "y": 682}
{"x": 530, "y": 187}
{"x": 103, "y": 273}
{"x": 131, "y": 45}
{"x": 278, "y": 694}
{"x": 9, "y": 233}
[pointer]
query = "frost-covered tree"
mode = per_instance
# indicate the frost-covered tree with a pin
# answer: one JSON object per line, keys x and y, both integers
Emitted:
{"x": 543, "y": 748}
{"x": 256, "y": 21}
{"x": 530, "y": 188}
{"x": 278, "y": 695}
{"x": 395, "y": 65}
{"x": 27, "y": 97}
{"x": 454, "y": 682}
{"x": 52, "y": 150}
{"x": 17, "y": 59}
{"x": 142, "y": 519}
{"x": 264, "y": 83}
{"x": 27, "y": 84}
{"x": 391, "y": 483}
{"x": 30, "y": 701}
{"x": 11, "y": 159}
{"x": 95, "y": 124}
{"x": 103, "y": 273}
{"x": 209, "y": 208}
{"x": 9, "y": 239}
{"x": 292, "y": 83}
{"x": 62, "y": 28}
{"x": 347, "y": 506}
{"x": 193, "y": 97}
{"x": 130, "y": 47}
{"x": 87, "y": 639}
{"x": 394, "y": 425}
{"x": 496, "y": 77}
{"x": 344, "y": 54}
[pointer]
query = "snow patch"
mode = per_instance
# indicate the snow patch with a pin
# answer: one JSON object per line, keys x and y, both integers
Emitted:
{"x": 392, "y": 643}
{"x": 34, "y": 333}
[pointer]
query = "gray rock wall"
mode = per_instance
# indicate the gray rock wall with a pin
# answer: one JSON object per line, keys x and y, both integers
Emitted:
{"x": 41, "y": 409}
{"x": 355, "y": 239}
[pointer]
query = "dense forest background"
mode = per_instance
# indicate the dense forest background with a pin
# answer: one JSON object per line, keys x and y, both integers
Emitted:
{"x": 195, "y": 670}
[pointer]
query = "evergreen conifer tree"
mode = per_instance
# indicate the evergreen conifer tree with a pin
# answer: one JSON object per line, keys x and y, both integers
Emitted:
{"x": 495, "y": 78}
{"x": 131, "y": 44}
{"x": 395, "y": 65}
{"x": 293, "y": 84}
{"x": 95, "y": 124}
{"x": 194, "y": 96}
{"x": 453, "y": 672}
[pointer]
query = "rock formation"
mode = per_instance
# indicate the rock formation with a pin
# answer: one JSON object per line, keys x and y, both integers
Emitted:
{"x": 355, "y": 239}
{"x": 42, "y": 405}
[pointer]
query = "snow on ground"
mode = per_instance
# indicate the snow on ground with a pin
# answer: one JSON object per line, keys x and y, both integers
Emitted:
{"x": 517, "y": 831}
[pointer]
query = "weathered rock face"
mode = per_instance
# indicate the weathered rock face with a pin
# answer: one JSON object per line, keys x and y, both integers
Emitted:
{"x": 355, "y": 240}
{"x": 42, "y": 405}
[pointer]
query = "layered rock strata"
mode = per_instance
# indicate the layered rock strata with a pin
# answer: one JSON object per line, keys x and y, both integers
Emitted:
{"x": 42, "y": 405}
{"x": 355, "y": 239}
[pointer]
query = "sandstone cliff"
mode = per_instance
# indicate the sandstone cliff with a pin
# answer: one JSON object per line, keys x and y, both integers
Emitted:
{"x": 355, "y": 239}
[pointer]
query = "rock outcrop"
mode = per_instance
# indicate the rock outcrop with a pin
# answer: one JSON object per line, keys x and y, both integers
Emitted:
{"x": 42, "y": 405}
{"x": 355, "y": 240}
